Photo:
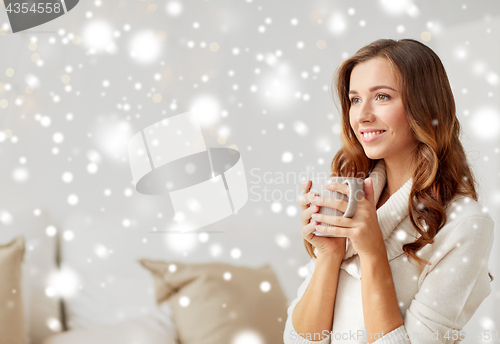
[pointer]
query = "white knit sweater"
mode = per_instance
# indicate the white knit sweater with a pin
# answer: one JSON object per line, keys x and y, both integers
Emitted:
{"x": 433, "y": 301}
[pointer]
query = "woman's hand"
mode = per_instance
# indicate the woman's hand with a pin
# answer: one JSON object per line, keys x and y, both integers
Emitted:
{"x": 363, "y": 228}
{"x": 323, "y": 244}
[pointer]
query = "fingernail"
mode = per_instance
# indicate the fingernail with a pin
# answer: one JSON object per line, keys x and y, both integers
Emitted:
{"x": 314, "y": 216}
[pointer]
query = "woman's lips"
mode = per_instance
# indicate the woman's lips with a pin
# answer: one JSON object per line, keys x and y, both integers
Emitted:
{"x": 372, "y": 138}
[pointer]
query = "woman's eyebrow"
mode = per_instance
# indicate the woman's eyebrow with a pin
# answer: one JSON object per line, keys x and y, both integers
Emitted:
{"x": 374, "y": 88}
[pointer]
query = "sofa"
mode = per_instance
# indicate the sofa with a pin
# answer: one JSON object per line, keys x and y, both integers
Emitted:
{"x": 101, "y": 278}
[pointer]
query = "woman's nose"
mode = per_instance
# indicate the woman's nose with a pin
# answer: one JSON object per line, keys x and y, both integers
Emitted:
{"x": 365, "y": 112}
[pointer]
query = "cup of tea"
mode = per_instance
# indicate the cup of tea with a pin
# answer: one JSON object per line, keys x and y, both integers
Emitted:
{"x": 356, "y": 191}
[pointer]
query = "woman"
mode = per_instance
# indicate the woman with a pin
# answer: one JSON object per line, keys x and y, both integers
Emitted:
{"x": 421, "y": 239}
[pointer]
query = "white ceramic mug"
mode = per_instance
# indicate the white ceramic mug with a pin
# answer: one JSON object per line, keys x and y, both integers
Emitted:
{"x": 356, "y": 190}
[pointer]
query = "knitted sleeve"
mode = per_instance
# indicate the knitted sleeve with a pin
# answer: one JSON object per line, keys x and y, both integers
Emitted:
{"x": 455, "y": 285}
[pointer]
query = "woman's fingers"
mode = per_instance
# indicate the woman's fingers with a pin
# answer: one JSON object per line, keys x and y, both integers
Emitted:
{"x": 306, "y": 186}
{"x": 336, "y": 231}
{"x": 306, "y": 214}
{"x": 329, "y": 202}
{"x": 337, "y": 221}
{"x": 304, "y": 198}
{"x": 307, "y": 230}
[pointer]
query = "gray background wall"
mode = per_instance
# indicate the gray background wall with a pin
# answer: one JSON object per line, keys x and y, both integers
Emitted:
{"x": 268, "y": 85}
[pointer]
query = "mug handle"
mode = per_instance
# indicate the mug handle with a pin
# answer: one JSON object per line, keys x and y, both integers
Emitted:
{"x": 353, "y": 201}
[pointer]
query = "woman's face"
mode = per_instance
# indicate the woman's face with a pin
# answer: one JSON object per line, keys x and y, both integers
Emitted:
{"x": 376, "y": 105}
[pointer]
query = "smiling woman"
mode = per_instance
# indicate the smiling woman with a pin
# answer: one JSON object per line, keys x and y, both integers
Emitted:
{"x": 374, "y": 93}
{"x": 421, "y": 239}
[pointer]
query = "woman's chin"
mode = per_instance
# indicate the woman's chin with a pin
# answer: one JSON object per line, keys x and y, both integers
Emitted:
{"x": 373, "y": 155}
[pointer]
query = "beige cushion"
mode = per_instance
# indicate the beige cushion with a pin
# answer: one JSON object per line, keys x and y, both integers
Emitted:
{"x": 39, "y": 264}
{"x": 208, "y": 308}
{"x": 11, "y": 307}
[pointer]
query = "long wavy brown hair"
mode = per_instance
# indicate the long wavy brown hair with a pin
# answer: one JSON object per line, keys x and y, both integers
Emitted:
{"x": 441, "y": 169}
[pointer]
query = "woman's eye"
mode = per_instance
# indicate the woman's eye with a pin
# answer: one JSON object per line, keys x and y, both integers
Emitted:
{"x": 354, "y": 100}
{"x": 384, "y": 96}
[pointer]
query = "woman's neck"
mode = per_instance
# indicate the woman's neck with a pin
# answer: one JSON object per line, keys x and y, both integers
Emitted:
{"x": 397, "y": 174}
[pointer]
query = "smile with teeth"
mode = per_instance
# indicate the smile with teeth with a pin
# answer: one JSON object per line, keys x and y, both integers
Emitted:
{"x": 373, "y": 133}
